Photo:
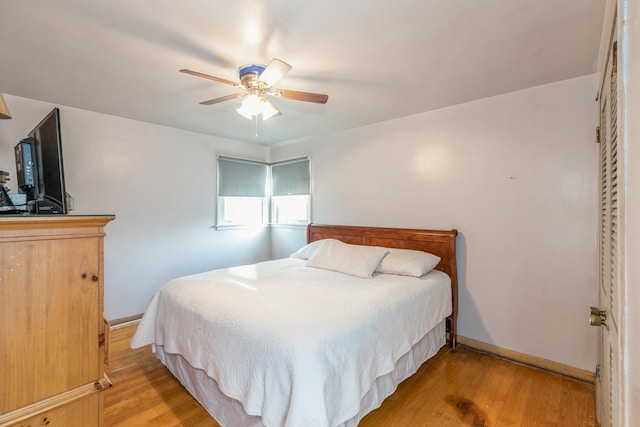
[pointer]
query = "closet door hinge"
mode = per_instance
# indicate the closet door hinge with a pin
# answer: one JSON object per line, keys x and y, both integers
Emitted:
{"x": 598, "y": 135}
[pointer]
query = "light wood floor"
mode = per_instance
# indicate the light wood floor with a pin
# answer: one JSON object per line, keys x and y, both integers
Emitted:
{"x": 455, "y": 388}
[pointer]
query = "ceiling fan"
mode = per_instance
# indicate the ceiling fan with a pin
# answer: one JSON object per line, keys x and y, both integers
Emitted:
{"x": 256, "y": 82}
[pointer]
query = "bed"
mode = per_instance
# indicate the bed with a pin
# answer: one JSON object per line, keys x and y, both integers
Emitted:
{"x": 297, "y": 342}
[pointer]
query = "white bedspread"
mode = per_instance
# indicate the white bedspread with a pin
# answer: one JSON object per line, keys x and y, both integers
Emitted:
{"x": 295, "y": 345}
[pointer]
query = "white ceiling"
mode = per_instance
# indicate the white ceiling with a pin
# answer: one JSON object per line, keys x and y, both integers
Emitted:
{"x": 377, "y": 59}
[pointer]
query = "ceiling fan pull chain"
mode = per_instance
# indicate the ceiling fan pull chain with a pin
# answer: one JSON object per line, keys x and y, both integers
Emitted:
{"x": 255, "y": 118}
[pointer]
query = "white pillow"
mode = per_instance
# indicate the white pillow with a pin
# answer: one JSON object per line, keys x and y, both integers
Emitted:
{"x": 306, "y": 251}
{"x": 407, "y": 262}
{"x": 356, "y": 260}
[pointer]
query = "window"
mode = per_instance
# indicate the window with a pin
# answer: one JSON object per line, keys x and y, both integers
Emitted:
{"x": 290, "y": 192}
{"x": 242, "y": 192}
{"x": 244, "y": 187}
{"x": 241, "y": 210}
{"x": 290, "y": 209}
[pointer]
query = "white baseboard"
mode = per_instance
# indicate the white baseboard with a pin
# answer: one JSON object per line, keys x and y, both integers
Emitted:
{"x": 527, "y": 359}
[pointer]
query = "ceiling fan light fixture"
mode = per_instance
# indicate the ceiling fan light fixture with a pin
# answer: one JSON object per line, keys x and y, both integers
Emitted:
{"x": 268, "y": 109}
{"x": 255, "y": 105}
{"x": 244, "y": 113}
{"x": 250, "y": 106}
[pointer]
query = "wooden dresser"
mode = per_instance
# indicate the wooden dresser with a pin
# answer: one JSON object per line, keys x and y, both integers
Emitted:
{"x": 52, "y": 330}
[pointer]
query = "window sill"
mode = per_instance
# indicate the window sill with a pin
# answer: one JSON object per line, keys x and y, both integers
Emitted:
{"x": 222, "y": 227}
{"x": 300, "y": 226}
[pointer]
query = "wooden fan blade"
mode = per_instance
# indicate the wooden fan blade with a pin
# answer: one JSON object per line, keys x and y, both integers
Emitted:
{"x": 302, "y": 96}
{"x": 223, "y": 98}
{"x": 207, "y": 76}
{"x": 274, "y": 72}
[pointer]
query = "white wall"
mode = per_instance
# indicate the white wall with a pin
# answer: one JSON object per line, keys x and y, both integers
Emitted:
{"x": 515, "y": 174}
{"x": 161, "y": 185}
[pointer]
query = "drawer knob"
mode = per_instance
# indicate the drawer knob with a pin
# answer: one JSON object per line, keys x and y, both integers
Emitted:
{"x": 94, "y": 278}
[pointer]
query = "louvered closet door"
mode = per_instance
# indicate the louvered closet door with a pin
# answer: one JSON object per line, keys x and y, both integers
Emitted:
{"x": 608, "y": 378}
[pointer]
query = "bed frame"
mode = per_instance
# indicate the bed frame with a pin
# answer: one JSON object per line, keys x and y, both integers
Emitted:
{"x": 438, "y": 242}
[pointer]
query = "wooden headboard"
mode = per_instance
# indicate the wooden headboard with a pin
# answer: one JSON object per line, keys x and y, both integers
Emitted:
{"x": 438, "y": 242}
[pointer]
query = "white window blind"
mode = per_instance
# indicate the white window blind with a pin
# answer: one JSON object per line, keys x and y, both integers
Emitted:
{"x": 291, "y": 192}
{"x": 242, "y": 192}
{"x": 241, "y": 178}
{"x": 291, "y": 178}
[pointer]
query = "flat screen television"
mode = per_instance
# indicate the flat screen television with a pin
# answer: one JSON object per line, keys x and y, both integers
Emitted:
{"x": 40, "y": 167}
